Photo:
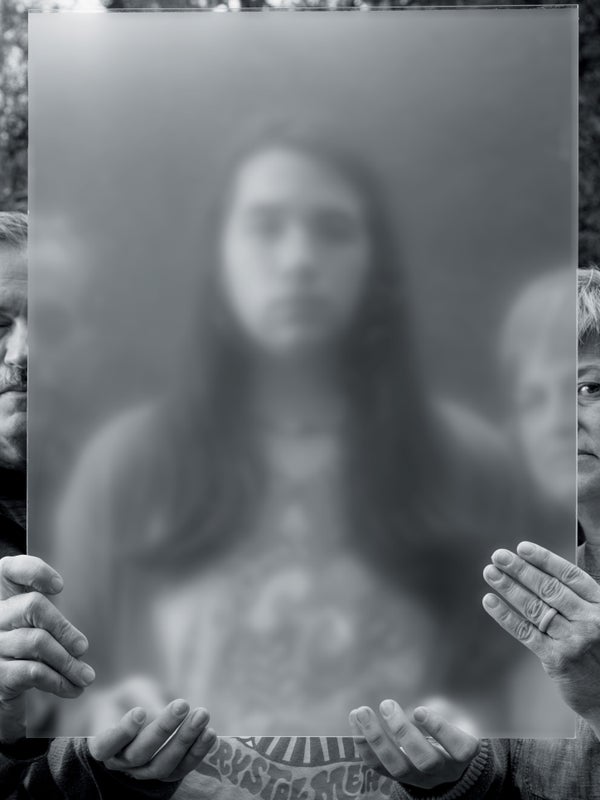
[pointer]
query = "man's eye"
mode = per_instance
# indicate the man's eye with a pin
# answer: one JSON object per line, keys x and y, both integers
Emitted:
{"x": 588, "y": 389}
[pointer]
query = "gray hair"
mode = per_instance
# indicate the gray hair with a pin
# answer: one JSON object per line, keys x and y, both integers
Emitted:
{"x": 588, "y": 304}
{"x": 13, "y": 228}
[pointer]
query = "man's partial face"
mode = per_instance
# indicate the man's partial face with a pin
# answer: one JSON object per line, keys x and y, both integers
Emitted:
{"x": 13, "y": 356}
{"x": 588, "y": 405}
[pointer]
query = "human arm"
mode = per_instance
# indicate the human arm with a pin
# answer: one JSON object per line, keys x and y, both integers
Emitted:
{"x": 120, "y": 761}
{"x": 553, "y": 608}
{"x": 428, "y": 757}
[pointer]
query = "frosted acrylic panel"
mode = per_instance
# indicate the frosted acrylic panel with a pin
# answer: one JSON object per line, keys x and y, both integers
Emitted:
{"x": 303, "y": 343}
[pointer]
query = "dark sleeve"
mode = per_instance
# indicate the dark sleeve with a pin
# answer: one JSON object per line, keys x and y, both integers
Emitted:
{"x": 60, "y": 769}
{"x": 489, "y": 775}
{"x": 12, "y": 537}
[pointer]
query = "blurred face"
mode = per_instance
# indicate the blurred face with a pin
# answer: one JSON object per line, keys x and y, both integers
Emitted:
{"x": 546, "y": 421}
{"x": 13, "y": 356}
{"x": 295, "y": 252}
{"x": 588, "y": 439}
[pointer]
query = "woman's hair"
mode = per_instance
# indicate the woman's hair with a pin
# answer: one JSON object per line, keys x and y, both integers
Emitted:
{"x": 394, "y": 452}
{"x": 588, "y": 304}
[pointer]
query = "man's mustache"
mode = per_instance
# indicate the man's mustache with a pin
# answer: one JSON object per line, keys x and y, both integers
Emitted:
{"x": 13, "y": 379}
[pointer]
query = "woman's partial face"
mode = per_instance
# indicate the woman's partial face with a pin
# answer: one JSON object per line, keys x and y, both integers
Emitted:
{"x": 588, "y": 418}
{"x": 295, "y": 252}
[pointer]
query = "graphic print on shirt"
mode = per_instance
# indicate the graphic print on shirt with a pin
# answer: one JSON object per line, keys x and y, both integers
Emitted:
{"x": 285, "y": 768}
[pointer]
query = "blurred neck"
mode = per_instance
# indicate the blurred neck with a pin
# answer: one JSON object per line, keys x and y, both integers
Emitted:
{"x": 298, "y": 392}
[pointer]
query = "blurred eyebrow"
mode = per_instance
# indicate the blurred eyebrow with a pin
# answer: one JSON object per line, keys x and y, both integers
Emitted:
{"x": 261, "y": 207}
{"x": 319, "y": 213}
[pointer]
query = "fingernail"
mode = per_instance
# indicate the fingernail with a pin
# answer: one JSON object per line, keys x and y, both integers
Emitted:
{"x": 363, "y": 715}
{"x": 180, "y": 708}
{"x": 492, "y": 574}
{"x": 502, "y": 557}
{"x": 490, "y": 600}
{"x": 387, "y": 707}
{"x": 79, "y": 647}
{"x": 526, "y": 548}
{"x": 209, "y": 734}
{"x": 139, "y": 715}
{"x": 57, "y": 583}
{"x": 420, "y": 714}
{"x": 199, "y": 718}
{"x": 87, "y": 674}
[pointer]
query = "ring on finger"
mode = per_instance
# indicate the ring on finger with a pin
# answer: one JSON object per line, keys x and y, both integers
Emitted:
{"x": 545, "y": 621}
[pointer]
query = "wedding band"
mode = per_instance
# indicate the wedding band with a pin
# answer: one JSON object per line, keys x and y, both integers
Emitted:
{"x": 547, "y": 619}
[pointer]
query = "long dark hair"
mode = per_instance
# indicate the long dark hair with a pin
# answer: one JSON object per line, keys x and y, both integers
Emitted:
{"x": 394, "y": 466}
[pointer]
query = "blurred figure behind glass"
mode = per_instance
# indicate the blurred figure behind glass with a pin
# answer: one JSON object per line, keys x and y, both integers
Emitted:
{"x": 254, "y": 534}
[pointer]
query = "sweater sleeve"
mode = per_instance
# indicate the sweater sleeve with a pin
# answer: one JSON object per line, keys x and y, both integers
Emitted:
{"x": 487, "y": 776}
{"x": 61, "y": 769}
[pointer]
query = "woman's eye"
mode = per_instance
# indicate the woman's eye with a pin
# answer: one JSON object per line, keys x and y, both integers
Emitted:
{"x": 333, "y": 228}
{"x": 588, "y": 389}
{"x": 265, "y": 227}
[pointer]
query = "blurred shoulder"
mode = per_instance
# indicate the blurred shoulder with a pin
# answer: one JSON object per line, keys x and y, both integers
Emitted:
{"x": 132, "y": 434}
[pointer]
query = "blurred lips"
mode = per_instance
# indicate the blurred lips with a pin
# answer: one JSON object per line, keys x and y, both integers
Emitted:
{"x": 302, "y": 306}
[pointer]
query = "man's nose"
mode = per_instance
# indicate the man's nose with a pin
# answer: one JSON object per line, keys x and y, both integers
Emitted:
{"x": 16, "y": 347}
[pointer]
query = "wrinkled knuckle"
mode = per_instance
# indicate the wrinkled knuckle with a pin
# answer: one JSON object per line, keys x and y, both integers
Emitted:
{"x": 33, "y": 672}
{"x": 518, "y": 567}
{"x": 64, "y": 629}
{"x": 69, "y": 664}
{"x": 534, "y": 608}
{"x": 34, "y": 602}
{"x": 570, "y": 574}
{"x": 523, "y": 630}
{"x": 37, "y": 642}
{"x": 551, "y": 589}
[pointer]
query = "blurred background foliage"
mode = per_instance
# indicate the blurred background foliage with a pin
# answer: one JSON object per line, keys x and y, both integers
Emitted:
{"x": 13, "y": 87}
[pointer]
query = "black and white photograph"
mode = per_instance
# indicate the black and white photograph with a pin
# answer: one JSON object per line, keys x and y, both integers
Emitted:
{"x": 299, "y": 324}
